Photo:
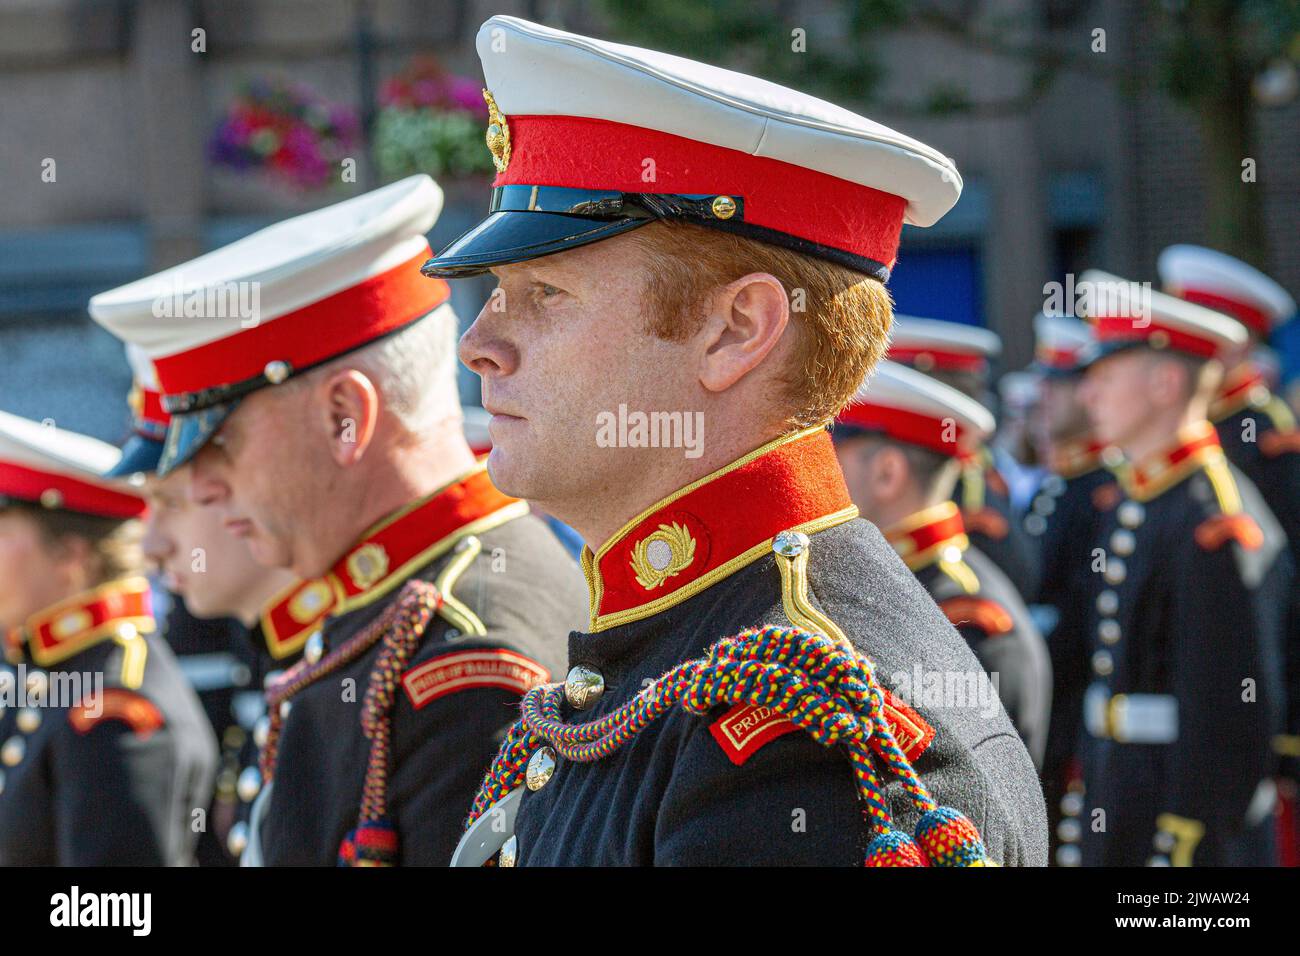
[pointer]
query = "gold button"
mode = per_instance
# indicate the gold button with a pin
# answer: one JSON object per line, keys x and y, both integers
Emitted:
{"x": 1069, "y": 831}
{"x": 541, "y": 767}
{"x": 51, "y": 498}
{"x": 509, "y": 852}
{"x": 13, "y": 750}
{"x": 1115, "y": 571}
{"x": 1108, "y": 631}
{"x": 250, "y": 781}
{"x": 28, "y": 719}
{"x": 1108, "y": 602}
{"x": 583, "y": 686}
{"x": 724, "y": 207}
{"x": 1159, "y": 339}
{"x": 1068, "y": 855}
{"x": 1102, "y": 663}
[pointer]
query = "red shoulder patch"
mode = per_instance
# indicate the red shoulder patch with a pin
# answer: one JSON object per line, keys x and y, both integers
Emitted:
{"x": 989, "y": 616}
{"x": 471, "y": 670}
{"x": 1107, "y": 496}
{"x": 116, "y": 703}
{"x": 1213, "y": 533}
{"x": 1274, "y": 442}
{"x": 744, "y": 729}
{"x": 986, "y": 521}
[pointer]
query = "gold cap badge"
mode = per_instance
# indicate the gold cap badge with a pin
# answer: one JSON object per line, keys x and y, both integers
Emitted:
{"x": 498, "y": 134}
{"x": 662, "y": 554}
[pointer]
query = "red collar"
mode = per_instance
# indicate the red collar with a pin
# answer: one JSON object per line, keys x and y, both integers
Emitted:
{"x": 715, "y": 526}
{"x": 117, "y": 609}
{"x": 1074, "y": 458}
{"x": 1193, "y": 448}
{"x": 1243, "y": 386}
{"x": 390, "y": 552}
{"x": 927, "y": 536}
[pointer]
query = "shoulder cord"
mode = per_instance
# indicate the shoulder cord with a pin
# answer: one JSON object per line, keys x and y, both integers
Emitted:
{"x": 819, "y": 684}
{"x": 374, "y": 840}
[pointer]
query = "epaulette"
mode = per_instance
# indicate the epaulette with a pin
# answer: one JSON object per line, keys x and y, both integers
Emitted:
{"x": 989, "y": 616}
{"x": 117, "y": 703}
{"x": 1215, "y": 531}
{"x": 808, "y": 674}
{"x": 987, "y": 521}
{"x": 1284, "y": 437}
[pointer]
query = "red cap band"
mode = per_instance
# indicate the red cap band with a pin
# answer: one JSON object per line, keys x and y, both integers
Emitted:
{"x": 944, "y": 359}
{"x": 1123, "y": 328}
{"x": 31, "y": 484}
{"x": 1250, "y": 315}
{"x": 911, "y": 427}
{"x": 310, "y": 335}
{"x": 583, "y": 153}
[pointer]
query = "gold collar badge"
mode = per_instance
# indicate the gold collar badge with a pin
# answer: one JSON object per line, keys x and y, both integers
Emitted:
{"x": 662, "y": 554}
{"x": 367, "y": 564}
{"x": 498, "y": 134}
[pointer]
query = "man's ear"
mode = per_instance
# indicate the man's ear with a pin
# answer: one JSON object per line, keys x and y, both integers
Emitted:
{"x": 889, "y": 473}
{"x": 745, "y": 322}
{"x": 348, "y": 408}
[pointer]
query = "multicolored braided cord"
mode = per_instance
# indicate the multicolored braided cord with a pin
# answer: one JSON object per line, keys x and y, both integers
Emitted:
{"x": 374, "y": 840}
{"x": 825, "y": 689}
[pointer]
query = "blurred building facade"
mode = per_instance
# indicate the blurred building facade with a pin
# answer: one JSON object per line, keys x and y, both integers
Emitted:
{"x": 1089, "y": 172}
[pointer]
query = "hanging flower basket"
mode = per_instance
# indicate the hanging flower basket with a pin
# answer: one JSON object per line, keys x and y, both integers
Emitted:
{"x": 432, "y": 122}
{"x": 287, "y": 132}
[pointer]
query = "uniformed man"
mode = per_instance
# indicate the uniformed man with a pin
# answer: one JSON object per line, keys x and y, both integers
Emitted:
{"x": 1260, "y": 437}
{"x": 1184, "y": 633}
{"x": 650, "y": 221}
{"x": 212, "y": 572}
{"x": 325, "y": 428}
{"x": 106, "y": 757}
{"x": 1063, "y": 521}
{"x": 960, "y": 356}
{"x": 900, "y": 443}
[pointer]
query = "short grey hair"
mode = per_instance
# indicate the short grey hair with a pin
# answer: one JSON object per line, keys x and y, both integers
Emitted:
{"x": 414, "y": 370}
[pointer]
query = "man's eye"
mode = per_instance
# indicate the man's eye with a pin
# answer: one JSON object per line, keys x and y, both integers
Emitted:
{"x": 547, "y": 290}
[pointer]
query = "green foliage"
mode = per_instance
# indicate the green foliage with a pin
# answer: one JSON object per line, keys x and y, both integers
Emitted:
{"x": 408, "y": 141}
{"x": 755, "y": 37}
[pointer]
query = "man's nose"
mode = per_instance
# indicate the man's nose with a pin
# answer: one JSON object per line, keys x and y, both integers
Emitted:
{"x": 157, "y": 545}
{"x": 206, "y": 487}
{"x": 482, "y": 348}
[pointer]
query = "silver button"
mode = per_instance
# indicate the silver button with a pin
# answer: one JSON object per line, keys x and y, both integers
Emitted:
{"x": 541, "y": 767}
{"x": 1108, "y": 631}
{"x": 11, "y": 754}
{"x": 509, "y": 852}
{"x": 1068, "y": 855}
{"x": 261, "y": 731}
{"x": 1158, "y": 861}
{"x": 285, "y": 707}
{"x": 1044, "y": 505}
{"x": 1108, "y": 602}
{"x": 1054, "y": 485}
{"x": 1072, "y": 804}
{"x": 1115, "y": 571}
{"x": 1035, "y": 525}
{"x": 1069, "y": 830}
{"x": 1102, "y": 663}
{"x": 28, "y": 719}
{"x": 1131, "y": 514}
{"x": 1164, "y": 841}
{"x": 790, "y": 544}
{"x": 250, "y": 781}
{"x": 583, "y": 686}
{"x": 1123, "y": 541}
{"x": 237, "y": 838}
{"x": 315, "y": 648}
{"x": 276, "y": 372}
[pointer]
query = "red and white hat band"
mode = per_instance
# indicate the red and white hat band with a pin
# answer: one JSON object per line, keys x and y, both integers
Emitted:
{"x": 310, "y": 335}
